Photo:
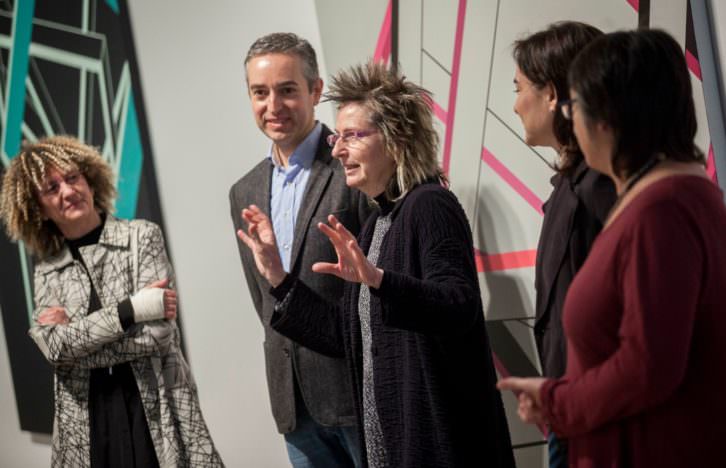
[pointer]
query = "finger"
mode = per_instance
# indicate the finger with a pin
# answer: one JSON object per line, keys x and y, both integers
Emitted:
{"x": 248, "y": 215}
{"x": 158, "y": 284}
{"x": 331, "y": 234}
{"x": 340, "y": 228}
{"x": 357, "y": 254}
{"x": 327, "y": 268}
{"x": 170, "y": 302}
{"x": 249, "y": 242}
{"x": 511, "y": 383}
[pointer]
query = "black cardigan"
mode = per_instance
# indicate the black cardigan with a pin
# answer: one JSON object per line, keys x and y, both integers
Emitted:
{"x": 434, "y": 376}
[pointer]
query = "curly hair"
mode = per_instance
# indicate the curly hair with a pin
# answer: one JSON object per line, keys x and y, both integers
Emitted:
{"x": 544, "y": 58}
{"x": 20, "y": 209}
{"x": 402, "y": 112}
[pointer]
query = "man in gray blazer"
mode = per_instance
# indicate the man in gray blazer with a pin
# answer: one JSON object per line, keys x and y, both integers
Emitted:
{"x": 298, "y": 185}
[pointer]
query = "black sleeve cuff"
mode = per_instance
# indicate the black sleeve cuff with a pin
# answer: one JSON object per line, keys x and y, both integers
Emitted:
{"x": 283, "y": 288}
{"x": 126, "y": 313}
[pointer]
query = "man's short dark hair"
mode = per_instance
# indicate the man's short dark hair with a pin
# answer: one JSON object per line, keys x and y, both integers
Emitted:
{"x": 290, "y": 44}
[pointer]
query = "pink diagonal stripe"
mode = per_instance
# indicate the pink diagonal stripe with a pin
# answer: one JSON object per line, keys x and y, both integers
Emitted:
{"x": 512, "y": 180}
{"x": 383, "y": 45}
{"x": 451, "y": 110}
{"x": 693, "y": 64}
{"x": 504, "y": 261}
{"x": 711, "y": 165}
{"x": 440, "y": 113}
{"x": 635, "y": 4}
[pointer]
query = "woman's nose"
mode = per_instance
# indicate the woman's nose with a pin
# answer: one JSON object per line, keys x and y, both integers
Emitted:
{"x": 338, "y": 148}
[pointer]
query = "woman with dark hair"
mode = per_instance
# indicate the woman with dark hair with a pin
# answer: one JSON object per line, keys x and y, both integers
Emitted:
{"x": 580, "y": 199}
{"x": 410, "y": 324}
{"x": 104, "y": 316}
{"x": 644, "y": 317}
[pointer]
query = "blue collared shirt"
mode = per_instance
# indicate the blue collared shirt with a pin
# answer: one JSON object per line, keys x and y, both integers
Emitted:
{"x": 287, "y": 190}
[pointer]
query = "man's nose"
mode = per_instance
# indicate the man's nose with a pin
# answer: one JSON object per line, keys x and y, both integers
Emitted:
{"x": 274, "y": 101}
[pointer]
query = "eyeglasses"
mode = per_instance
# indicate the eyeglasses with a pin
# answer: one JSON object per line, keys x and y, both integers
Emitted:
{"x": 348, "y": 136}
{"x": 566, "y": 107}
{"x": 52, "y": 187}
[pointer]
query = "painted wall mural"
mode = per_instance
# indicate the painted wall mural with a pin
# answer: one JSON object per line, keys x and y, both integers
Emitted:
{"x": 461, "y": 51}
{"x": 66, "y": 68}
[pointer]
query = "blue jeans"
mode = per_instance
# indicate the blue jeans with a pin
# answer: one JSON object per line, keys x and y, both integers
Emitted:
{"x": 557, "y": 449}
{"x": 311, "y": 445}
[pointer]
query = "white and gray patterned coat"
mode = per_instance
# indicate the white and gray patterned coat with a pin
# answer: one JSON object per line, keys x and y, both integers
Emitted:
{"x": 96, "y": 339}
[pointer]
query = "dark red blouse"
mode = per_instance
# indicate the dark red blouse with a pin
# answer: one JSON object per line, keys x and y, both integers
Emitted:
{"x": 645, "y": 320}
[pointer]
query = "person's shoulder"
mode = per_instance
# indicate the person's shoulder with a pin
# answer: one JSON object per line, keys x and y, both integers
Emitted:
{"x": 252, "y": 179}
{"x": 429, "y": 200}
{"x": 597, "y": 192}
{"x": 430, "y": 192}
{"x": 143, "y": 227}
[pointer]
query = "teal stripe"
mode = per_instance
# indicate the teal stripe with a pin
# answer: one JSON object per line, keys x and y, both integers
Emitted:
{"x": 131, "y": 164}
{"x": 113, "y": 4}
{"x": 18, "y": 64}
{"x": 28, "y": 288}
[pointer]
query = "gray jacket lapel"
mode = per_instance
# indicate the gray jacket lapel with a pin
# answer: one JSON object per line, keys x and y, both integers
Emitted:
{"x": 320, "y": 174}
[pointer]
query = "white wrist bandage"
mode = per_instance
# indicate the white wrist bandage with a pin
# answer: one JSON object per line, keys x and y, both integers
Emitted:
{"x": 148, "y": 304}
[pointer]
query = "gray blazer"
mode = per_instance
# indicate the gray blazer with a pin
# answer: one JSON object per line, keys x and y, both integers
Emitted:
{"x": 324, "y": 382}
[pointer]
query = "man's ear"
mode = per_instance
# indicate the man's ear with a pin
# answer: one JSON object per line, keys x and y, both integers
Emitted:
{"x": 317, "y": 91}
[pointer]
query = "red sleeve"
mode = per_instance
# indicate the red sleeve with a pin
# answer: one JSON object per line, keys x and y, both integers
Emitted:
{"x": 660, "y": 267}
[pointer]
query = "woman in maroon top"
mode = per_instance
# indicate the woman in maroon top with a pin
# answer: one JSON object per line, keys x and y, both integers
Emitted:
{"x": 644, "y": 317}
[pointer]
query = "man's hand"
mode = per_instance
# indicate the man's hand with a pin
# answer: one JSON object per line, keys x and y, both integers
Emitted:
{"x": 260, "y": 238}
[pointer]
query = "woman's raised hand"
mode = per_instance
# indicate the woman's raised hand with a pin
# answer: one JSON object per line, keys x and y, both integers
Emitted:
{"x": 260, "y": 238}
{"x": 352, "y": 263}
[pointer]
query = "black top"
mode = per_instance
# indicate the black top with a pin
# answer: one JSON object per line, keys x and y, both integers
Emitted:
{"x": 433, "y": 373}
{"x": 119, "y": 434}
{"x": 573, "y": 216}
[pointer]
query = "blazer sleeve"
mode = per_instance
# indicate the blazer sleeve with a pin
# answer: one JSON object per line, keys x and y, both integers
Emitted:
{"x": 249, "y": 269}
{"x": 445, "y": 300}
{"x": 306, "y": 318}
{"x": 660, "y": 274}
{"x": 98, "y": 339}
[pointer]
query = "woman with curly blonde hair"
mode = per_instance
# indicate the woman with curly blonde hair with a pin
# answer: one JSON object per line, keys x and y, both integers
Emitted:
{"x": 104, "y": 317}
{"x": 410, "y": 323}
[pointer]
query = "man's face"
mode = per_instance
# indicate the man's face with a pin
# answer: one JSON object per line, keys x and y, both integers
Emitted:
{"x": 282, "y": 102}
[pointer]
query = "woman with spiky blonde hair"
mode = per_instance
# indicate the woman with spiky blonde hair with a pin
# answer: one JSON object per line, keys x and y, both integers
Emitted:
{"x": 104, "y": 317}
{"x": 410, "y": 323}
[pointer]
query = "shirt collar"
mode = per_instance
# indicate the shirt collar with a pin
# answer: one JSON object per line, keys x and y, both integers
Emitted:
{"x": 305, "y": 152}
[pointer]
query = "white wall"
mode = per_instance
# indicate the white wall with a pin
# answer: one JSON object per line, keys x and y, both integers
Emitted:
{"x": 204, "y": 138}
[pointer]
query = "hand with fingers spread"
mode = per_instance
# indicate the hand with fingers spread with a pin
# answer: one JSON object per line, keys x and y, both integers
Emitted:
{"x": 352, "y": 263}
{"x": 530, "y": 404}
{"x": 53, "y": 316}
{"x": 260, "y": 238}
